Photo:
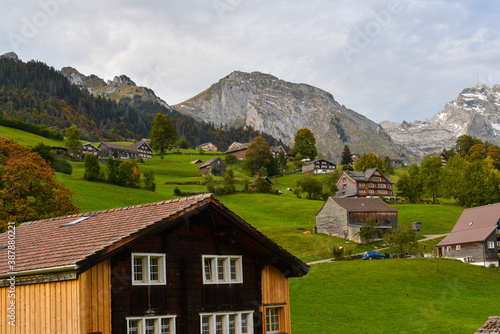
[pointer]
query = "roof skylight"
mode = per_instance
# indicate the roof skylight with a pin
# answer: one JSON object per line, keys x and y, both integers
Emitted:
{"x": 76, "y": 221}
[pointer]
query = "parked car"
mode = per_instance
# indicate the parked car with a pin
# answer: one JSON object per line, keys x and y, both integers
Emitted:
{"x": 373, "y": 255}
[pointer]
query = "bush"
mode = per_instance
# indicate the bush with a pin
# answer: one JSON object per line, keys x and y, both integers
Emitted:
{"x": 177, "y": 191}
{"x": 338, "y": 252}
{"x": 230, "y": 159}
{"x": 262, "y": 186}
{"x": 149, "y": 180}
{"x": 62, "y": 166}
{"x": 92, "y": 168}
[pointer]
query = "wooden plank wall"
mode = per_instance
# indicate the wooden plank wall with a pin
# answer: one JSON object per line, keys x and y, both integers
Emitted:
{"x": 275, "y": 291}
{"x": 43, "y": 308}
{"x": 95, "y": 299}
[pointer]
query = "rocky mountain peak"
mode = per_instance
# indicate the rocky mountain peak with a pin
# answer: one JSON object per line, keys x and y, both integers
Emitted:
{"x": 280, "y": 108}
{"x": 475, "y": 112}
{"x": 10, "y": 55}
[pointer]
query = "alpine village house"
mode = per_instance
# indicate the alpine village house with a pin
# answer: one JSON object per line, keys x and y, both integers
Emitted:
{"x": 187, "y": 265}
{"x": 475, "y": 239}
{"x": 366, "y": 183}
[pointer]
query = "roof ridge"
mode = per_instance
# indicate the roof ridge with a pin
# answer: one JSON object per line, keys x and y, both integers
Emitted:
{"x": 198, "y": 197}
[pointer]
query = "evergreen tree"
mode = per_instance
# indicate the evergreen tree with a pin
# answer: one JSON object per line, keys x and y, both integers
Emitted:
{"x": 346, "y": 156}
{"x": 92, "y": 167}
{"x": 73, "y": 144}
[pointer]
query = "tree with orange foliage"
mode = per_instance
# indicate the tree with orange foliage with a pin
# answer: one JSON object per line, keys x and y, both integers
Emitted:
{"x": 28, "y": 190}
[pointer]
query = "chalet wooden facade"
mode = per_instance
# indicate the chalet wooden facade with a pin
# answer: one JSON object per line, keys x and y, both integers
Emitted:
{"x": 188, "y": 265}
{"x": 320, "y": 166}
{"x": 89, "y": 148}
{"x": 133, "y": 151}
{"x": 366, "y": 183}
{"x": 475, "y": 239}
{"x": 344, "y": 217}
{"x": 207, "y": 147}
{"x": 240, "y": 151}
{"x": 143, "y": 148}
{"x": 215, "y": 166}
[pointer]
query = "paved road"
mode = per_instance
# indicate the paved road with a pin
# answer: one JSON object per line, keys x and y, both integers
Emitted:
{"x": 427, "y": 237}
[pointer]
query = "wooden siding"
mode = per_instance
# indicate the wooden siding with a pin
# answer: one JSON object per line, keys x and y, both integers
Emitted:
{"x": 43, "y": 308}
{"x": 275, "y": 293}
{"x": 184, "y": 293}
{"x": 95, "y": 299}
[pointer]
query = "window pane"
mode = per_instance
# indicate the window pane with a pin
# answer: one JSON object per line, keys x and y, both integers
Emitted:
{"x": 133, "y": 327}
{"x": 208, "y": 269}
{"x": 272, "y": 319}
{"x": 150, "y": 326}
{"x": 232, "y": 324}
{"x": 232, "y": 266}
{"x": 138, "y": 269}
{"x": 219, "y": 325}
{"x": 220, "y": 269}
{"x": 244, "y": 324}
{"x": 153, "y": 269}
{"x": 205, "y": 325}
{"x": 165, "y": 326}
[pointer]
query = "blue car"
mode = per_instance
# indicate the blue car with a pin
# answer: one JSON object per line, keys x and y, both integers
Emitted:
{"x": 373, "y": 255}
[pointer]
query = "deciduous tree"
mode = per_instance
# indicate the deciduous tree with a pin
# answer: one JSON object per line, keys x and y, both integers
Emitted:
{"x": 402, "y": 238}
{"x": 73, "y": 144}
{"x": 310, "y": 185}
{"x": 368, "y": 161}
{"x": 258, "y": 155}
{"x": 92, "y": 167}
{"x": 28, "y": 189}
{"x": 305, "y": 144}
{"x": 163, "y": 134}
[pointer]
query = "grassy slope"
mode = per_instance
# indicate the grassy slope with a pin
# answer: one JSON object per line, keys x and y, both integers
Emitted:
{"x": 26, "y": 138}
{"x": 394, "y": 296}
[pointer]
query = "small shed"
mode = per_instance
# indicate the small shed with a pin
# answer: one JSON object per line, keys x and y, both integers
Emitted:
{"x": 216, "y": 166}
{"x": 417, "y": 226}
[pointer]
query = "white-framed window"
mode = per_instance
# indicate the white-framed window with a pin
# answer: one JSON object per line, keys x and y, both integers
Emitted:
{"x": 371, "y": 191}
{"x": 498, "y": 244}
{"x": 227, "y": 323}
{"x": 148, "y": 269}
{"x": 491, "y": 244}
{"x": 448, "y": 248}
{"x": 371, "y": 185}
{"x": 273, "y": 320}
{"x": 222, "y": 269}
{"x": 362, "y": 191}
{"x": 151, "y": 325}
{"x": 384, "y": 192}
{"x": 376, "y": 178}
{"x": 458, "y": 247}
{"x": 381, "y": 185}
{"x": 361, "y": 184}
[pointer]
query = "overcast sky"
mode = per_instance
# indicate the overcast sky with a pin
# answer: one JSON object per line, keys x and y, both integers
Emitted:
{"x": 387, "y": 60}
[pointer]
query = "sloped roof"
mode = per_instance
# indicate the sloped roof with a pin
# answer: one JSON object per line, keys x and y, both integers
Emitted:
{"x": 238, "y": 148}
{"x": 319, "y": 160}
{"x": 210, "y": 162}
{"x": 475, "y": 224}
{"x": 52, "y": 243}
{"x": 117, "y": 147}
{"x": 492, "y": 326}
{"x": 362, "y": 204}
{"x": 364, "y": 176}
{"x": 139, "y": 143}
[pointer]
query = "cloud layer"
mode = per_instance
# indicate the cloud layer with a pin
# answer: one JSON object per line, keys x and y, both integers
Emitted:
{"x": 394, "y": 60}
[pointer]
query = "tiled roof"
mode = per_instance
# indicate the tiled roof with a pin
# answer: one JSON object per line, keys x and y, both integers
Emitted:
{"x": 139, "y": 143}
{"x": 475, "y": 224}
{"x": 492, "y": 326}
{"x": 363, "y": 204}
{"x": 211, "y": 161}
{"x": 364, "y": 176}
{"x": 54, "y": 243}
{"x": 117, "y": 147}
{"x": 48, "y": 243}
{"x": 238, "y": 148}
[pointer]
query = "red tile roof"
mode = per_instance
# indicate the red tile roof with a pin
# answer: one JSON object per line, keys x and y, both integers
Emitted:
{"x": 475, "y": 224}
{"x": 363, "y": 204}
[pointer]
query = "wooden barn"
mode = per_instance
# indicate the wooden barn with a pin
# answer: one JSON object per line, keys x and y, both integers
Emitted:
{"x": 343, "y": 217}
{"x": 187, "y": 265}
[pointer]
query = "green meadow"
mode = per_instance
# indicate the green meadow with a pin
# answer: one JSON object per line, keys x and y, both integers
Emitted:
{"x": 348, "y": 296}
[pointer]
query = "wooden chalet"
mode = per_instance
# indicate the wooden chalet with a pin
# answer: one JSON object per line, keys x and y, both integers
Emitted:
{"x": 89, "y": 148}
{"x": 239, "y": 151}
{"x": 366, "y": 183}
{"x": 441, "y": 155}
{"x": 187, "y": 265}
{"x": 320, "y": 166}
{"x": 344, "y": 217}
{"x": 215, "y": 166}
{"x": 207, "y": 147}
{"x": 107, "y": 150}
{"x": 475, "y": 238}
{"x": 234, "y": 145}
{"x": 396, "y": 162}
{"x": 143, "y": 148}
{"x": 275, "y": 150}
